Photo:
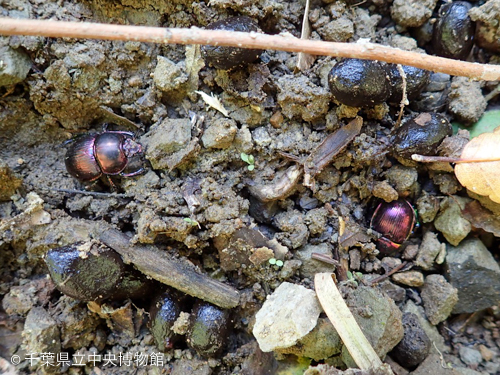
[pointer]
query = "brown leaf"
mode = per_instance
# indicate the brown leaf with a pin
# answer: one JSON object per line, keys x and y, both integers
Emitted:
{"x": 482, "y": 178}
{"x": 482, "y": 218}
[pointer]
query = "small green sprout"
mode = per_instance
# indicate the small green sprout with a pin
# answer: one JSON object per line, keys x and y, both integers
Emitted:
{"x": 354, "y": 277}
{"x": 194, "y": 223}
{"x": 249, "y": 159}
{"x": 276, "y": 262}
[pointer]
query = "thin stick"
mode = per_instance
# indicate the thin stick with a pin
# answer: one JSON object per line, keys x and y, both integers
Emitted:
{"x": 156, "y": 264}
{"x": 404, "y": 99}
{"x": 369, "y": 51}
{"x": 387, "y": 274}
{"x": 446, "y": 159}
{"x": 325, "y": 258}
{"x": 92, "y": 193}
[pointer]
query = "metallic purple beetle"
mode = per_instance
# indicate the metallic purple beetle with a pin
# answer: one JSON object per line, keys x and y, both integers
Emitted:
{"x": 395, "y": 222}
{"x": 108, "y": 153}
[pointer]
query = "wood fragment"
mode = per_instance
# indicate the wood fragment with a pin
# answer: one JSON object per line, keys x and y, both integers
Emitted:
{"x": 367, "y": 51}
{"x": 346, "y": 326}
{"x": 329, "y": 148}
{"x": 388, "y": 274}
{"x": 281, "y": 187}
{"x": 159, "y": 266}
{"x": 107, "y": 115}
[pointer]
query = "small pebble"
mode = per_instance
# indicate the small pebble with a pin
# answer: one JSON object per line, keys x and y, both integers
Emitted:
{"x": 409, "y": 278}
{"x": 486, "y": 352}
{"x": 470, "y": 356}
{"x": 439, "y": 298}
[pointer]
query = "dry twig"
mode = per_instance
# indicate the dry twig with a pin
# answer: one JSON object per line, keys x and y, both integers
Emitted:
{"x": 156, "y": 264}
{"x": 368, "y": 51}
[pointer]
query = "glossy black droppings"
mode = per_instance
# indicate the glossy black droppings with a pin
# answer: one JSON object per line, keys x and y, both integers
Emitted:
{"x": 359, "y": 83}
{"x": 164, "y": 311}
{"x": 453, "y": 31}
{"x": 208, "y": 330}
{"x": 230, "y": 57}
{"x": 416, "y": 80}
{"x": 421, "y": 135}
{"x": 90, "y": 272}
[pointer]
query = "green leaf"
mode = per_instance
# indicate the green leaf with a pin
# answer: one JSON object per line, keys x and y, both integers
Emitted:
{"x": 251, "y": 159}
{"x": 279, "y": 263}
{"x": 251, "y": 167}
{"x": 244, "y": 157}
{"x": 272, "y": 261}
{"x": 486, "y": 124}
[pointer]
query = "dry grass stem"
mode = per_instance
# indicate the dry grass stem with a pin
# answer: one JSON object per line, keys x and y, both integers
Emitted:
{"x": 346, "y": 326}
{"x": 368, "y": 51}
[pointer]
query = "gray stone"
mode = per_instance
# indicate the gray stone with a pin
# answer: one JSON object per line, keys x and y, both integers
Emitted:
{"x": 192, "y": 366}
{"x": 412, "y": 13}
{"x": 220, "y": 134}
{"x": 261, "y": 137}
{"x": 14, "y": 66}
{"x": 450, "y": 221}
{"x": 288, "y": 315}
{"x": 469, "y": 371}
{"x": 299, "y": 97}
{"x": 337, "y": 30}
{"x": 439, "y": 298}
{"x": 9, "y": 182}
{"x": 378, "y": 317}
{"x": 470, "y": 356}
{"x": 397, "y": 293}
{"x": 415, "y": 345}
{"x": 404, "y": 179}
{"x": 429, "y": 329}
{"x": 433, "y": 365}
{"x": 321, "y": 343}
{"x": 169, "y": 136}
{"x": 41, "y": 334}
{"x": 428, "y": 207}
{"x": 428, "y": 251}
{"x": 471, "y": 269}
{"x": 168, "y": 76}
{"x": 466, "y": 100}
{"x": 312, "y": 266}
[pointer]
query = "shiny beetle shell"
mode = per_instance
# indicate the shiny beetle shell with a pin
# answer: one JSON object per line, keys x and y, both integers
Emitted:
{"x": 93, "y": 155}
{"x": 395, "y": 222}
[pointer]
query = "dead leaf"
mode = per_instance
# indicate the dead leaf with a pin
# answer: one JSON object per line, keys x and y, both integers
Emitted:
{"x": 305, "y": 60}
{"x": 194, "y": 63}
{"x": 482, "y": 178}
{"x": 214, "y": 102}
{"x": 482, "y": 218}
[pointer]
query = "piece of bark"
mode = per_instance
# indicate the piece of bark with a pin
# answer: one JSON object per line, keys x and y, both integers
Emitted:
{"x": 159, "y": 266}
{"x": 329, "y": 148}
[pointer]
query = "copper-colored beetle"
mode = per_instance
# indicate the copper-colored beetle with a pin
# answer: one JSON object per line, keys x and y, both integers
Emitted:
{"x": 395, "y": 222}
{"x": 108, "y": 153}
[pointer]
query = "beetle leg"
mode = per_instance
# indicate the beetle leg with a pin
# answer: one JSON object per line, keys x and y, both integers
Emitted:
{"x": 130, "y": 134}
{"x": 135, "y": 173}
{"x": 113, "y": 186}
